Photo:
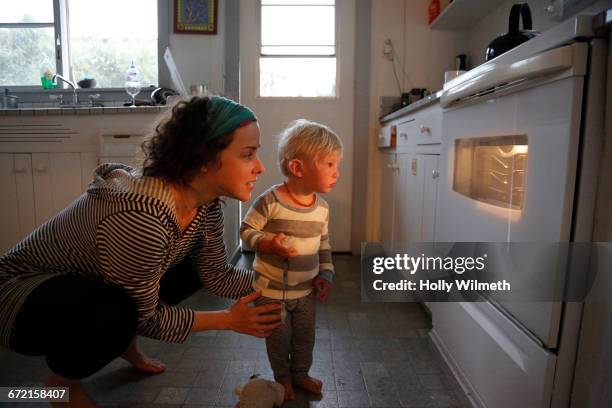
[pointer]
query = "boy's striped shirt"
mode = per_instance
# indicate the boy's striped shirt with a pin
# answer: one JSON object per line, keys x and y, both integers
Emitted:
{"x": 307, "y": 232}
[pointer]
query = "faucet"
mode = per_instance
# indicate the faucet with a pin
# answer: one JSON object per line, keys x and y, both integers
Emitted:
{"x": 75, "y": 98}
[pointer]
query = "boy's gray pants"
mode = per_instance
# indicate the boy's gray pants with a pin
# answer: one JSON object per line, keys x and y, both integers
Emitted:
{"x": 290, "y": 345}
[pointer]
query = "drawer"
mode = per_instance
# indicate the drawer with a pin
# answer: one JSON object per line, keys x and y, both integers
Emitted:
{"x": 429, "y": 127}
{"x": 387, "y": 136}
{"x": 406, "y": 133}
{"x": 120, "y": 145}
{"x": 424, "y": 128}
{"x": 477, "y": 340}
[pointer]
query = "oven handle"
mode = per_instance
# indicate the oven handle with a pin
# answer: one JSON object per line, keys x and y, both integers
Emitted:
{"x": 486, "y": 78}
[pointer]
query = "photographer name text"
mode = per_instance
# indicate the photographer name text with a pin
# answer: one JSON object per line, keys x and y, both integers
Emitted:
{"x": 441, "y": 285}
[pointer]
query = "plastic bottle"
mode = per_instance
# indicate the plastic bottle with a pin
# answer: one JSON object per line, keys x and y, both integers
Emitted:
{"x": 46, "y": 78}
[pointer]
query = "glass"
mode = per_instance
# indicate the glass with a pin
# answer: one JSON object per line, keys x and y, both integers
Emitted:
{"x": 99, "y": 50}
{"x": 132, "y": 82}
{"x": 298, "y": 2}
{"x": 23, "y": 52}
{"x": 27, "y": 11}
{"x": 492, "y": 169}
{"x": 299, "y": 50}
{"x": 295, "y": 25}
{"x": 297, "y": 77}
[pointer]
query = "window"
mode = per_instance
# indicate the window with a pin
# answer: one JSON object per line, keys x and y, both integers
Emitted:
{"x": 78, "y": 39}
{"x": 103, "y": 47}
{"x": 27, "y": 32}
{"x": 298, "y": 48}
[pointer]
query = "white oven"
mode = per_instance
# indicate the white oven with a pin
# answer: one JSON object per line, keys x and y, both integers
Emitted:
{"x": 514, "y": 169}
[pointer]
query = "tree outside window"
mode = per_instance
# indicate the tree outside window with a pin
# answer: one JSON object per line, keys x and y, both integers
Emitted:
{"x": 100, "y": 40}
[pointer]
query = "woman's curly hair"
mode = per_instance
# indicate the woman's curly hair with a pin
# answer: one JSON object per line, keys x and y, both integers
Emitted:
{"x": 178, "y": 147}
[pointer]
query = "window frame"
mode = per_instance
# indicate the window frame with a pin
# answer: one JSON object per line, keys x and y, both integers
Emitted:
{"x": 294, "y": 98}
{"x": 62, "y": 50}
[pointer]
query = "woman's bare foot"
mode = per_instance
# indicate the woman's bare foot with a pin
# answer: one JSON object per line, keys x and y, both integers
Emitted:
{"x": 142, "y": 363}
{"x": 286, "y": 383}
{"x": 77, "y": 394}
{"x": 308, "y": 383}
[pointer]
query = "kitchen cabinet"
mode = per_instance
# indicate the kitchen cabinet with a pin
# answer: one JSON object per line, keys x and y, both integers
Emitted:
{"x": 390, "y": 170}
{"x": 17, "y": 199}
{"x": 416, "y": 197}
{"x": 410, "y": 178}
{"x": 431, "y": 175}
{"x": 47, "y": 161}
{"x": 36, "y": 186}
{"x": 47, "y": 158}
{"x": 120, "y": 148}
{"x": 56, "y": 182}
{"x": 462, "y": 14}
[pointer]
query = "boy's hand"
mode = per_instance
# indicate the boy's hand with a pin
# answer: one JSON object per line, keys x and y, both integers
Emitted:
{"x": 275, "y": 246}
{"x": 322, "y": 287}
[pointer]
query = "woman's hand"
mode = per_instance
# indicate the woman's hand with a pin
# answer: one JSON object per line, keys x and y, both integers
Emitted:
{"x": 322, "y": 286}
{"x": 258, "y": 321}
{"x": 275, "y": 246}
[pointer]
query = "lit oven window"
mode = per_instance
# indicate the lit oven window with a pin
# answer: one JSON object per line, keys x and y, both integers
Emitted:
{"x": 492, "y": 169}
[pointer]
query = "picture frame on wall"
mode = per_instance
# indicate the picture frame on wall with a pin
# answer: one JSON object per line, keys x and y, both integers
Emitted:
{"x": 195, "y": 16}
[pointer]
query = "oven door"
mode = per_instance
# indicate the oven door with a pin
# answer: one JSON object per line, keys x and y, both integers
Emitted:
{"x": 508, "y": 171}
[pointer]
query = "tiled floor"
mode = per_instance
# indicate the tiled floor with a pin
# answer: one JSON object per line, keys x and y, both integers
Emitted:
{"x": 367, "y": 354}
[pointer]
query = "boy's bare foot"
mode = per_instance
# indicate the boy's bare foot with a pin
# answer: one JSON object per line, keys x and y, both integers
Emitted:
{"x": 142, "y": 363}
{"x": 77, "y": 393}
{"x": 286, "y": 383}
{"x": 308, "y": 383}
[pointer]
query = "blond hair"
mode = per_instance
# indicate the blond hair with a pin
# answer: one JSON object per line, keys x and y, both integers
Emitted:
{"x": 306, "y": 140}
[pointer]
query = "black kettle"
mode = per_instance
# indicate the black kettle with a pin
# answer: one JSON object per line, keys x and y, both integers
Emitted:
{"x": 514, "y": 36}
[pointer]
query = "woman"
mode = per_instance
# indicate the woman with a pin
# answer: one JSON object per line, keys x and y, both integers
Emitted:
{"x": 113, "y": 263}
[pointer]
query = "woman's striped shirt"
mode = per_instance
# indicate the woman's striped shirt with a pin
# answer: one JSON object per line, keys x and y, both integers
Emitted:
{"x": 123, "y": 231}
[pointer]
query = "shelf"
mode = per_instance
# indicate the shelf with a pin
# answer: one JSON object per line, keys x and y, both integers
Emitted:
{"x": 462, "y": 14}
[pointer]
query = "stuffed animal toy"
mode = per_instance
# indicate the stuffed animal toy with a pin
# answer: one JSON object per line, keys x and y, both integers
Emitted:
{"x": 260, "y": 393}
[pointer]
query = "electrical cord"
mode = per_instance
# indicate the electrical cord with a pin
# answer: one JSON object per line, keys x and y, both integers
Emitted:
{"x": 405, "y": 75}
{"x": 396, "y": 78}
{"x": 391, "y": 55}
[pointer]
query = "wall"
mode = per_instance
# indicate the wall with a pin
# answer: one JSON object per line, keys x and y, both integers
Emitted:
{"x": 424, "y": 54}
{"x": 200, "y": 58}
{"x": 362, "y": 123}
{"x": 496, "y": 23}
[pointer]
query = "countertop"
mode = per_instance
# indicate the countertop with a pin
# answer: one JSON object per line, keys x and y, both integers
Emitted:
{"x": 428, "y": 100}
{"x": 112, "y": 110}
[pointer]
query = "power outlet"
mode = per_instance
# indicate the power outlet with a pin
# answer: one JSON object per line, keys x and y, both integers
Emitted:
{"x": 388, "y": 50}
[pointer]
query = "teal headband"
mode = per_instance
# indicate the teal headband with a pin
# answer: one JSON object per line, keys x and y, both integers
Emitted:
{"x": 227, "y": 116}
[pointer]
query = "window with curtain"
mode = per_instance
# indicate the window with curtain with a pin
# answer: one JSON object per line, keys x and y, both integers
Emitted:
{"x": 297, "y": 48}
{"x": 79, "y": 39}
